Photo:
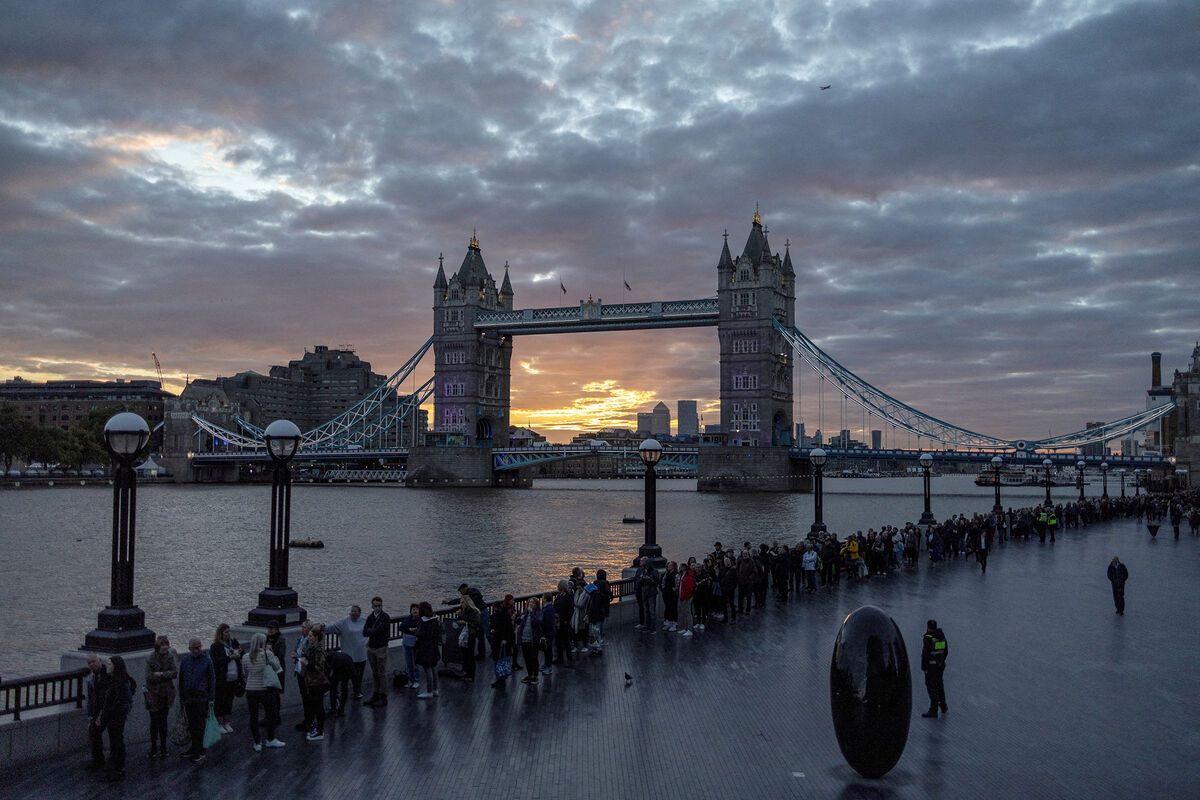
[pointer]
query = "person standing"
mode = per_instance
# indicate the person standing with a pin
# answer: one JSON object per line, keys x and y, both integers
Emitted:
{"x": 469, "y": 614}
{"x": 305, "y": 725}
{"x": 260, "y": 659}
{"x": 933, "y": 663}
{"x": 549, "y": 632}
{"x": 528, "y": 631}
{"x": 429, "y": 640}
{"x": 670, "y": 595}
{"x": 197, "y": 690}
{"x": 353, "y": 644}
{"x": 564, "y": 608}
{"x": 315, "y": 682}
{"x": 687, "y": 589}
{"x": 226, "y": 656}
{"x": 647, "y": 588}
{"x": 97, "y": 683}
{"x": 118, "y": 699}
{"x": 503, "y": 635}
{"x": 809, "y": 563}
{"x": 598, "y": 608}
{"x": 277, "y": 645}
{"x": 1117, "y": 575}
{"x": 162, "y": 668}
{"x": 408, "y": 640}
{"x": 377, "y": 630}
{"x": 985, "y": 547}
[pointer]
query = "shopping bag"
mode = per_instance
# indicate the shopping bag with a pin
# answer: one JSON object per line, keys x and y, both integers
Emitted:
{"x": 180, "y": 735}
{"x": 503, "y": 664}
{"x": 212, "y": 731}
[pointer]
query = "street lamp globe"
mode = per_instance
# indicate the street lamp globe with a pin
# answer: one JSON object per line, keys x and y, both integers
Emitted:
{"x": 1047, "y": 463}
{"x": 283, "y": 440}
{"x": 650, "y": 452}
{"x": 818, "y": 457}
{"x": 125, "y": 434}
{"x": 926, "y": 460}
{"x": 997, "y": 462}
{"x": 1080, "y": 465}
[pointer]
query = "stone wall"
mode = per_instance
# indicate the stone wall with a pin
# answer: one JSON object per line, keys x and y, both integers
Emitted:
{"x": 458, "y": 467}
{"x": 751, "y": 469}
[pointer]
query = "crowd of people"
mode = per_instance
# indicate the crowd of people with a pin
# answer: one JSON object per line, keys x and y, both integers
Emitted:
{"x": 535, "y": 635}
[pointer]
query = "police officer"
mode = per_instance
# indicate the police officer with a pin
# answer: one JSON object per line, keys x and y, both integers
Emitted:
{"x": 933, "y": 663}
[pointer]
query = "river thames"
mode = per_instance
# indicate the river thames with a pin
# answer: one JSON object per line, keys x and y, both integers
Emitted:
{"x": 201, "y": 554}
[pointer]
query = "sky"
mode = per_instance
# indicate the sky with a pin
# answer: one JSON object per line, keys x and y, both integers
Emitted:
{"x": 993, "y": 210}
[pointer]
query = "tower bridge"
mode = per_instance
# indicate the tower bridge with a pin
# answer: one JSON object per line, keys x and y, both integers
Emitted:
{"x": 474, "y": 325}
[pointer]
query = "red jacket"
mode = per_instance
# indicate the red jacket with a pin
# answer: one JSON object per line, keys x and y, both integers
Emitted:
{"x": 687, "y": 586}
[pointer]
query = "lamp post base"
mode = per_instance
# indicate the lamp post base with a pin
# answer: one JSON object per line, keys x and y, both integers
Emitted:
{"x": 276, "y": 606}
{"x": 120, "y": 630}
{"x": 653, "y": 554}
{"x": 997, "y": 509}
{"x": 927, "y": 520}
{"x": 817, "y": 528}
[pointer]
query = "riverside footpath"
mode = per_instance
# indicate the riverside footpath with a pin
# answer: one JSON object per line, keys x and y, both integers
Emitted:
{"x": 1051, "y": 694}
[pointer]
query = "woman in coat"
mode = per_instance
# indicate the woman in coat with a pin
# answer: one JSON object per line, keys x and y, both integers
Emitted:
{"x": 528, "y": 633}
{"x": 316, "y": 682}
{"x": 427, "y": 654}
{"x": 226, "y": 655}
{"x": 118, "y": 699}
{"x": 260, "y": 659}
{"x": 162, "y": 667}
{"x": 503, "y": 635}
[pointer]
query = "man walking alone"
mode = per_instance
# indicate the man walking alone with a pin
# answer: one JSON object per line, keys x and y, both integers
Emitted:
{"x": 1117, "y": 575}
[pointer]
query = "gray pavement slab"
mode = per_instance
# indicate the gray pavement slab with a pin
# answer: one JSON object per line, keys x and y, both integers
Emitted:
{"x": 1051, "y": 694}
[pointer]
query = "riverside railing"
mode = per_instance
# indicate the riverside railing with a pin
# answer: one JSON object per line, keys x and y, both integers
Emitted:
{"x": 42, "y": 691}
{"x": 65, "y": 688}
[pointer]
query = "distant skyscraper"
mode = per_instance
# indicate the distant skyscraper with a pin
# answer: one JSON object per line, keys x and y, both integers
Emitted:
{"x": 876, "y": 440}
{"x": 1098, "y": 448}
{"x": 689, "y": 420}
{"x": 660, "y": 420}
{"x": 644, "y": 423}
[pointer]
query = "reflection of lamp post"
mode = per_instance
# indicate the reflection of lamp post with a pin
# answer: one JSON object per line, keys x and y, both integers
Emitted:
{"x": 1121, "y": 475}
{"x": 997, "y": 463}
{"x": 1137, "y": 483}
{"x": 1104, "y": 473}
{"x": 927, "y": 519}
{"x": 1079, "y": 465}
{"x": 650, "y": 452}
{"x": 121, "y": 626}
{"x": 818, "y": 457}
{"x": 278, "y": 603}
{"x": 1047, "y": 464}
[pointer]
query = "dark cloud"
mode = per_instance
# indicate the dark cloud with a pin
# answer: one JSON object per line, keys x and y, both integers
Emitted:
{"x": 992, "y": 213}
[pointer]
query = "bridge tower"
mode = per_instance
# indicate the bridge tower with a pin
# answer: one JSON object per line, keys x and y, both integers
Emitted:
{"x": 756, "y": 370}
{"x": 471, "y": 372}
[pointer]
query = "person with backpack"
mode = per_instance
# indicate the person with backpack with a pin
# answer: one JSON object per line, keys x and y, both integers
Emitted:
{"x": 598, "y": 608}
{"x": 428, "y": 649}
{"x": 118, "y": 699}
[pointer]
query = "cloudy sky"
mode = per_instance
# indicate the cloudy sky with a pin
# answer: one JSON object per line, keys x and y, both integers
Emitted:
{"x": 994, "y": 211}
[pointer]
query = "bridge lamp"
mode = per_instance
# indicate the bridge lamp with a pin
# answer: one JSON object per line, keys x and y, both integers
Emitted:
{"x": 927, "y": 520}
{"x": 1047, "y": 464}
{"x": 1121, "y": 475}
{"x": 650, "y": 451}
{"x": 818, "y": 458}
{"x": 1079, "y": 465}
{"x": 997, "y": 463}
{"x": 121, "y": 626}
{"x": 278, "y": 603}
{"x": 1104, "y": 473}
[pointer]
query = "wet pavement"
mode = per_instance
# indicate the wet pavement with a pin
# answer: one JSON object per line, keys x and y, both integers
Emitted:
{"x": 1051, "y": 694}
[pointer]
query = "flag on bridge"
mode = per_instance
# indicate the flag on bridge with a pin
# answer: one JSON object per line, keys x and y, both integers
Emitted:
{"x": 560, "y": 285}
{"x": 628, "y": 288}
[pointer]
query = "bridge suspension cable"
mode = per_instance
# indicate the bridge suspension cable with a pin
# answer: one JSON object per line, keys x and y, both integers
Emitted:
{"x": 902, "y": 415}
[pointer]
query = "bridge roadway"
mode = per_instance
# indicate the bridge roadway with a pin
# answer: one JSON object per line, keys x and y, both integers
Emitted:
{"x": 1051, "y": 695}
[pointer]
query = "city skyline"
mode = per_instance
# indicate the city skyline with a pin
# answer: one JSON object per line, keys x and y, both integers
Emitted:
{"x": 992, "y": 211}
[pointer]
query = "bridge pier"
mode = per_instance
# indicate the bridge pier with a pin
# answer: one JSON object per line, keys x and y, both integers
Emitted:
{"x": 459, "y": 467}
{"x": 750, "y": 469}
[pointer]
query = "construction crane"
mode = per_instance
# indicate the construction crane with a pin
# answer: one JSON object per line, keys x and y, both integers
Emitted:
{"x": 158, "y": 368}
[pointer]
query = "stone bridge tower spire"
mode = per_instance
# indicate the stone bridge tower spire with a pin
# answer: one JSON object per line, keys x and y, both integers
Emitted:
{"x": 471, "y": 372}
{"x": 756, "y": 363}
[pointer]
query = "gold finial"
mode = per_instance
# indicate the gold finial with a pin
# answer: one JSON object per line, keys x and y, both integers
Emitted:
{"x": 474, "y": 241}
{"x": 757, "y": 218}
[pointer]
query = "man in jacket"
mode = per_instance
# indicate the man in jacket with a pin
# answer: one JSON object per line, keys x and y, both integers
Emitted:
{"x": 647, "y": 581}
{"x": 377, "y": 629}
{"x": 96, "y": 685}
{"x": 197, "y": 690}
{"x": 1117, "y": 575}
{"x": 933, "y": 662}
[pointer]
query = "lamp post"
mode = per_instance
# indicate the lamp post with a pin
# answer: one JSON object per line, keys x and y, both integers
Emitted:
{"x": 817, "y": 458}
{"x": 650, "y": 451}
{"x": 1079, "y": 465}
{"x": 997, "y": 463}
{"x": 1047, "y": 464}
{"x": 121, "y": 626}
{"x": 1104, "y": 473}
{"x": 278, "y": 603}
{"x": 927, "y": 520}
{"x": 1121, "y": 475}
{"x": 1137, "y": 483}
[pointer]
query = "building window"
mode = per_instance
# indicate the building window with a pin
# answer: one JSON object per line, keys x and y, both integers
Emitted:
{"x": 745, "y": 345}
{"x": 454, "y": 316}
{"x": 744, "y": 275}
{"x": 457, "y": 356}
{"x": 745, "y": 300}
{"x": 745, "y": 381}
{"x": 454, "y": 389}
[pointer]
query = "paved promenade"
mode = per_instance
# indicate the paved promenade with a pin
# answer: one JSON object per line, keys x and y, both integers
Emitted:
{"x": 1051, "y": 695}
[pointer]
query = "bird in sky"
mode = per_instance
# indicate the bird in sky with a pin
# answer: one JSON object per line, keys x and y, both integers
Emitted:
{"x": 628, "y": 679}
{"x": 830, "y": 86}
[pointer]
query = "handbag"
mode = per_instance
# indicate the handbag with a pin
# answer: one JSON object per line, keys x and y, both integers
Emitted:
{"x": 463, "y": 637}
{"x": 271, "y": 678}
{"x": 180, "y": 734}
{"x": 212, "y": 731}
{"x": 503, "y": 663}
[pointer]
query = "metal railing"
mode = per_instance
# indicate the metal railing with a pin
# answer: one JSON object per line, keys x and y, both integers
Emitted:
{"x": 42, "y": 691}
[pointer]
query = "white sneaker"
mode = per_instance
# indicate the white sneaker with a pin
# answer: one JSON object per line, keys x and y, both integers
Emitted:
{"x": 313, "y": 736}
{"x": 437, "y": 692}
{"x": 686, "y": 634}
{"x": 424, "y": 695}
{"x": 226, "y": 728}
{"x": 257, "y": 748}
{"x": 699, "y": 627}
{"x": 275, "y": 743}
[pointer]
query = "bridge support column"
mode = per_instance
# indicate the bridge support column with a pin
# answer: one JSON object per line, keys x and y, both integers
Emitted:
{"x": 458, "y": 468}
{"x": 750, "y": 469}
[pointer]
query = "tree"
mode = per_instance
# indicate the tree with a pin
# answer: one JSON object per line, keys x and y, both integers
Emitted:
{"x": 15, "y": 435}
{"x": 47, "y": 444}
{"x": 87, "y": 438}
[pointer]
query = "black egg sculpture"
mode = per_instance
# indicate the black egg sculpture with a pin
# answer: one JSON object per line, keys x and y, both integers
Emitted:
{"x": 870, "y": 691}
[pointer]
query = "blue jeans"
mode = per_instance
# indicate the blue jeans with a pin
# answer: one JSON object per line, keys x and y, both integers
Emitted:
{"x": 650, "y": 603}
{"x": 414, "y": 670}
